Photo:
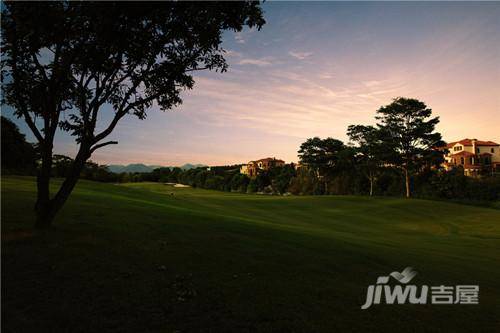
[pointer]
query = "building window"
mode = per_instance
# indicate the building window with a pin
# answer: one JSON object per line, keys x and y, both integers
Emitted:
{"x": 461, "y": 160}
{"x": 478, "y": 150}
{"x": 492, "y": 150}
{"x": 470, "y": 160}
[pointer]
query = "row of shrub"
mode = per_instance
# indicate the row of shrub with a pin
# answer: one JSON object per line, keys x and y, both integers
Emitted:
{"x": 431, "y": 184}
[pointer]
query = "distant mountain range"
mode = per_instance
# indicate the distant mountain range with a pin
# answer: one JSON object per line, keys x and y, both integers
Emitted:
{"x": 139, "y": 167}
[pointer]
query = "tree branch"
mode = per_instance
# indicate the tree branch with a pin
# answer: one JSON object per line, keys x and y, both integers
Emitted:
{"x": 122, "y": 111}
{"x": 109, "y": 129}
{"x": 40, "y": 67}
{"x": 102, "y": 145}
{"x": 32, "y": 126}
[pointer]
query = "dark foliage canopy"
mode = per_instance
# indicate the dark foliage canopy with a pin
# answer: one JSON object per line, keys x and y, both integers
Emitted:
{"x": 409, "y": 131}
{"x": 322, "y": 155}
{"x": 73, "y": 57}
{"x": 17, "y": 154}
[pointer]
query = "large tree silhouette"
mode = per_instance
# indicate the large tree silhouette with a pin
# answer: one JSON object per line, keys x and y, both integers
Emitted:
{"x": 409, "y": 136}
{"x": 62, "y": 61}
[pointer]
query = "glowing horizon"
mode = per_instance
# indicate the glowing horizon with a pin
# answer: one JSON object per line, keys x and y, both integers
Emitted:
{"x": 316, "y": 68}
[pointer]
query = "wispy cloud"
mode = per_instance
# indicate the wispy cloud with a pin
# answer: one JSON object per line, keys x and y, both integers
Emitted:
{"x": 300, "y": 55}
{"x": 239, "y": 38}
{"x": 326, "y": 76}
{"x": 261, "y": 62}
{"x": 233, "y": 54}
{"x": 302, "y": 106}
{"x": 372, "y": 83}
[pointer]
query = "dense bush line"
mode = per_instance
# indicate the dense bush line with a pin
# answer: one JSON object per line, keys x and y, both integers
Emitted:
{"x": 430, "y": 184}
{"x": 328, "y": 167}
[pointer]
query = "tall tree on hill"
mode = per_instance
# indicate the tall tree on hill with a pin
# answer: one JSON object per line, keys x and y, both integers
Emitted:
{"x": 409, "y": 134}
{"x": 62, "y": 61}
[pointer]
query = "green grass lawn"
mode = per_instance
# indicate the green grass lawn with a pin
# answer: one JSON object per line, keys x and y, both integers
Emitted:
{"x": 153, "y": 258}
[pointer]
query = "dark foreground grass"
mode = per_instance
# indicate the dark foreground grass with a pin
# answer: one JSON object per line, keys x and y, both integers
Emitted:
{"x": 153, "y": 258}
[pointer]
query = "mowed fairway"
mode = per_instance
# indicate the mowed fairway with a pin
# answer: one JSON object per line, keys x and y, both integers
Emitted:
{"x": 153, "y": 258}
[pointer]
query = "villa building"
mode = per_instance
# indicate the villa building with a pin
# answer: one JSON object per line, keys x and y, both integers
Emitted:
{"x": 253, "y": 167}
{"x": 473, "y": 156}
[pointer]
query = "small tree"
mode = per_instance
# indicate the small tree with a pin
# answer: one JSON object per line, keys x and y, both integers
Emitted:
{"x": 282, "y": 177}
{"x": 63, "y": 61}
{"x": 370, "y": 151}
{"x": 323, "y": 156}
{"x": 409, "y": 136}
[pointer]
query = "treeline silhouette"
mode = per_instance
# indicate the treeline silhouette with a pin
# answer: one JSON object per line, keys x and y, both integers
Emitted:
{"x": 287, "y": 180}
{"x": 290, "y": 180}
{"x": 347, "y": 176}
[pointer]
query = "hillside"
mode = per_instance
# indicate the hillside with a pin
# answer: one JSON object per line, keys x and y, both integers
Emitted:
{"x": 151, "y": 257}
{"x": 139, "y": 167}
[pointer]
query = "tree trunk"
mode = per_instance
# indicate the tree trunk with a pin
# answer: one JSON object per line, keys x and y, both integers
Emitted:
{"x": 47, "y": 208}
{"x": 44, "y": 215}
{"x": 371, "y": 186}
{"x": 43, "y": 192}
{"x": 407, "y": 182}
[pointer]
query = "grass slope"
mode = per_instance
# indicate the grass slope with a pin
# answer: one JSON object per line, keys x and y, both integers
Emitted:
{"x": 150, "y": 257}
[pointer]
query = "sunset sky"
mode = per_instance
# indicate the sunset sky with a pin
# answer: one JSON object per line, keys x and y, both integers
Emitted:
{"x": 316, "y": 68}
